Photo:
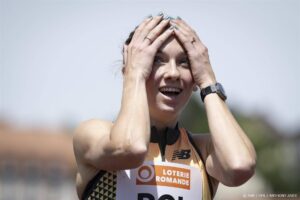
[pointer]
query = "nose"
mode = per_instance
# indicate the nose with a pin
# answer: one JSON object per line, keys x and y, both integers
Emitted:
{"x": 172, "y": 71}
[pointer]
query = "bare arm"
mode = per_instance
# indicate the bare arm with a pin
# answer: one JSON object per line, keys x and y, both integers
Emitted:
{"x": 121, "y": 145}
{"x": 124, "y": 144}
{"x": 231, "y": 156}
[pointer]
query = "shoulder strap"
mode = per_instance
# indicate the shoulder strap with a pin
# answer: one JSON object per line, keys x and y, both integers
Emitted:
{"x": 203, "y": 161}
{"x": 91, "y": 184}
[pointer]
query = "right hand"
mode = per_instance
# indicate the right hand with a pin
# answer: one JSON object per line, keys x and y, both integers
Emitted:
{"x": 147, "y": 39}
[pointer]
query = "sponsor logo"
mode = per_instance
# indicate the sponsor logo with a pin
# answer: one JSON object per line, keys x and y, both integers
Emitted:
{"x": 163, "y": 175}
{"x": 181, "y": 154}
{"x": 146, "y": 173}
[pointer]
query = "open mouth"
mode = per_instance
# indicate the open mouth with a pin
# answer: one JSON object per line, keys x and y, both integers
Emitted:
{"x": 170, "y": 91}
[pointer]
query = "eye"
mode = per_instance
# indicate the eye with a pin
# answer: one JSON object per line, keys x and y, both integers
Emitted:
{"x": 158, "y": 60}
{"x": 184, "y": 62}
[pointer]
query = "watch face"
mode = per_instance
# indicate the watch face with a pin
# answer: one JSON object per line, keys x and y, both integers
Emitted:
{"x": 221, "y": 88}
{"x": 221, "y": 91}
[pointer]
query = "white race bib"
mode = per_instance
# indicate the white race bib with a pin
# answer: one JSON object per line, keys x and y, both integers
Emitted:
{"x": 159, "y": 181}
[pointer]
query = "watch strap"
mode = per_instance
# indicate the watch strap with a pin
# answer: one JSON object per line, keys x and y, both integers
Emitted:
{"x": 216, "y": 88}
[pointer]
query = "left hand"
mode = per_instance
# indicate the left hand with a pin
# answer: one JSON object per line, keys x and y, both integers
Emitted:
{"x": 197, "y": 53}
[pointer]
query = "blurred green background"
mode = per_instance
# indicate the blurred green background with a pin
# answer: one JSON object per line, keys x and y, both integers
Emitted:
{"x": 278, "y": 153}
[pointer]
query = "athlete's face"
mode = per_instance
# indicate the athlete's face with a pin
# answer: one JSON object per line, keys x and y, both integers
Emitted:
{"x": 170, "y": 84}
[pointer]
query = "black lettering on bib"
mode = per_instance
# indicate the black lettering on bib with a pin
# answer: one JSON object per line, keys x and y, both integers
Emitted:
{"x": 147, "y": 196}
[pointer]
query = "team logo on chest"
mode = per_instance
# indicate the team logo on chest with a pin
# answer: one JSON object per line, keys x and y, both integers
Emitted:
{"x": 163, "y": 175}
{"x": 159, "y": 181}
{"x": 181, "y": 154}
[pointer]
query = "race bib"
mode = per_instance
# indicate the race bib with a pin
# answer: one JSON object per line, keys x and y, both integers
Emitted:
{"x": 159, "y": 181}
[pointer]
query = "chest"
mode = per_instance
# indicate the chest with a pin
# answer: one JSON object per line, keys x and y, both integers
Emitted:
{"x": 181, "y": 152}
{"x": 156, "y": 180}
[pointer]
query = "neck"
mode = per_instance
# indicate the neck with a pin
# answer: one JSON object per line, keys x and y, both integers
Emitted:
{"x": 162, "y": 125}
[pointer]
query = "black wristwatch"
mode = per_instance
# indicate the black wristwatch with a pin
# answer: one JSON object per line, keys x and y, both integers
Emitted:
{"x": 216, "y": 88}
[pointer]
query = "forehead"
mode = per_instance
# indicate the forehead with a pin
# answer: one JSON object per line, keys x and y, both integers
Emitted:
{"x": 172, "y": 46}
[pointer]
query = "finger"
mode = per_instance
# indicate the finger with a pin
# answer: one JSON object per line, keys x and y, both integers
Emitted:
{"x": 188, "y": 32}
{"x": 183, "y": 24}
{"x": 162, "y": 38}
{"x": 148, "y": 27}
{"x": 189, "y": 35}
{"x": 185, "y": 40}
{"x": 179, "y": 24}
{"x": 186, "y": 29}
{"x": 140, "y": 27}
{"x": 156, "y": 31}
{"x": 183, "y": 29}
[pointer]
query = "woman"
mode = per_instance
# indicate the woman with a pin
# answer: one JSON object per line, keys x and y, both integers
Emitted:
{"x": 144, "y": 154}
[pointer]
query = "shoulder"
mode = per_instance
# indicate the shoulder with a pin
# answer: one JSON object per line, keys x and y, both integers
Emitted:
{"x": 87, "y": 132}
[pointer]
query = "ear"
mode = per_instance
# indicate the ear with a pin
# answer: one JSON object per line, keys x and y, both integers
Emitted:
{"x": 195, "y": 88}
{"x": 124, "y": 52}
{"x": 125, "y": 47}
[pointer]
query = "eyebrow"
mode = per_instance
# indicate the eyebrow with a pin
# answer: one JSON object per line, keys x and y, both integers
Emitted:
{"x": 159, "y": 51}
{"x": 180, "y": 54}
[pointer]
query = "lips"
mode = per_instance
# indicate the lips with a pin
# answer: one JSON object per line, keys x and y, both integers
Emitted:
{"x": 170, "y": 91}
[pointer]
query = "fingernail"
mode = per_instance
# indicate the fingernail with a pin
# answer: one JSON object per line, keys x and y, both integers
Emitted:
{"x": 173, "y": 27}
{"x": 160, "y": 14}
{"x": 168, "y": 18}
{"x": 178, "y": 17}
{"x": 149, "y": 17}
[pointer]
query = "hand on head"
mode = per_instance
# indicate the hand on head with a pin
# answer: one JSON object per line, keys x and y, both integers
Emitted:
{"x": 149, "y": 37}
{"x": 197, "y": 53}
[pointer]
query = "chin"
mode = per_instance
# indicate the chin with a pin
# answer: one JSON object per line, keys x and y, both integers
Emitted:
{"x": 166, "y": 107}
{"x": 167, "y": 110}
